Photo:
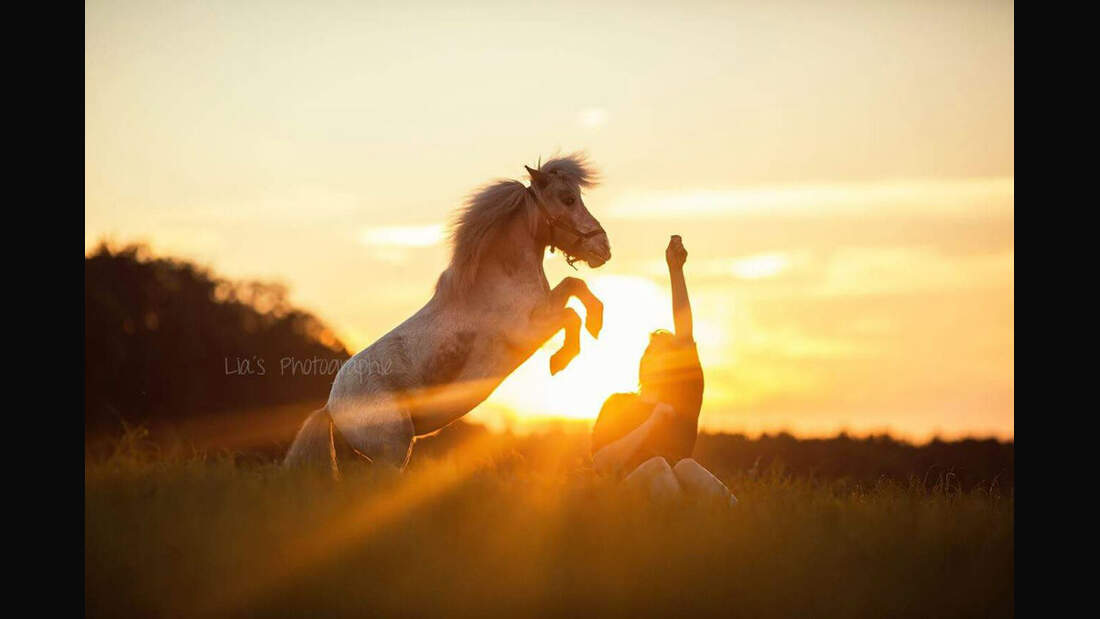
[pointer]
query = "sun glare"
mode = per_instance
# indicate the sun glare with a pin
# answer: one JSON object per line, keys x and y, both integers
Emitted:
{"x": 633, "y": 307}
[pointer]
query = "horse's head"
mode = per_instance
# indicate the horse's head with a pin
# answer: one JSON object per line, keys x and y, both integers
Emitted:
{"x": 556, "y": 187}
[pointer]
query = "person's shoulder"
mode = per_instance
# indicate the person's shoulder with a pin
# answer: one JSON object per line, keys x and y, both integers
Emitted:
{"x": 620, "y": 408}
{"x": 619, "y": 400}
{"x": 619, "y": 415}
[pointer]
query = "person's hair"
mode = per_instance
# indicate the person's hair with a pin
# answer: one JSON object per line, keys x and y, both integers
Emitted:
{"x": 655, "y": 364}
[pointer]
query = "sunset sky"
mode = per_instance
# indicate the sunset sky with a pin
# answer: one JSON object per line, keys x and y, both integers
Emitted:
{"x": 842, "y": 174}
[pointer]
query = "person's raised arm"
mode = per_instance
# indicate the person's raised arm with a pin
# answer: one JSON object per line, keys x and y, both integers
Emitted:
{"x": 676, "y": 256}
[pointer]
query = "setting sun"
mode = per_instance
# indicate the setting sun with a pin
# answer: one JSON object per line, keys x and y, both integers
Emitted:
{"x": 633, "y": 307}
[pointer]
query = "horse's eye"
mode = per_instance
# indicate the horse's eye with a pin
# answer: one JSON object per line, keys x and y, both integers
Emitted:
{"x": 568, "y": 200}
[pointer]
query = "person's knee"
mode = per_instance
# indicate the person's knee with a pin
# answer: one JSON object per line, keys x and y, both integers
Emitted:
{"x": 700, "y": 483}
{"x": 656, "y": 464}
{"x": 654, "y": 467}
{"x": 688, "y": 466}
{"x": 655, "y": 479}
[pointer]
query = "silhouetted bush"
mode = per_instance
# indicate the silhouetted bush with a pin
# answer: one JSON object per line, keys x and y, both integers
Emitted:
{"x": 166, "y": 339}
{"x": 964, "y": 464}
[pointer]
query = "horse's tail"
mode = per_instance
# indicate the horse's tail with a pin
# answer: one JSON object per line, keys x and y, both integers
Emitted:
{"x": 313, "y": 444}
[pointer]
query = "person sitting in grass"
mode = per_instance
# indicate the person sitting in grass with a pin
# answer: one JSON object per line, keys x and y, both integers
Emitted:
{"x": 647, "y": 438}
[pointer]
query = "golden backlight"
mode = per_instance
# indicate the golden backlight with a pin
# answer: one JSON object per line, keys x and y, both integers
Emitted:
{"x": 842, "y": 177}
{"x": 633, "y": 307}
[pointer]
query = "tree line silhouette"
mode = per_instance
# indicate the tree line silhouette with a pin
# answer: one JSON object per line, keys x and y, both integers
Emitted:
{"x": 166, "y": 339}
{"x": 964, "y": 464}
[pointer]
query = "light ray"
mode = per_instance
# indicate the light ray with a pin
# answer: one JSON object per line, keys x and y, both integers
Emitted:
{"x": 298, "y": 556}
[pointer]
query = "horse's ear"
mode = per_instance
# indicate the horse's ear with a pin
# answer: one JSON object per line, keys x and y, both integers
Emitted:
{"x": 538, "y": 179}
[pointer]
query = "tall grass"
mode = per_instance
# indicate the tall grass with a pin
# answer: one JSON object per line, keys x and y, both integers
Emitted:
{"x": 486, "y": 531}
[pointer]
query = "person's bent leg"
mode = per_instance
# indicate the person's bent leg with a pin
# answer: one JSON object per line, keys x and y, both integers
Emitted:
{"x": 654, "y": 478}
{"x": 700, "y": 484}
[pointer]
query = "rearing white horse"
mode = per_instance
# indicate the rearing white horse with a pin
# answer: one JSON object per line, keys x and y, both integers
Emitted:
{"x": 491, "y": 310}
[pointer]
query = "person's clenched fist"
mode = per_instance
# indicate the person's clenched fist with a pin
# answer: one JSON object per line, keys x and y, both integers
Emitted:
{"x": 675, "y": 254}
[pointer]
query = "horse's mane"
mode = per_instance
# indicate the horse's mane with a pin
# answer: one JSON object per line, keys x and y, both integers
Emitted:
{"x": 575, "y": 169}
{"x": 477, "y": 223}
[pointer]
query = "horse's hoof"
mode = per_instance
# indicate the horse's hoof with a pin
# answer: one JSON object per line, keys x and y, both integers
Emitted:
{"x": 556, "y": 365}
{"x": 559, "y": 360}
{"x": 593, "y": 320}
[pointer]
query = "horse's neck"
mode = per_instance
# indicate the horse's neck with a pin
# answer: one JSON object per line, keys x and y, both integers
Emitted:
{"x": 515, "y": 259}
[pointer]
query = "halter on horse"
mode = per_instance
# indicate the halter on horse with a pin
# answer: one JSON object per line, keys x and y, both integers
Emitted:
{"x": 554, "y": 223}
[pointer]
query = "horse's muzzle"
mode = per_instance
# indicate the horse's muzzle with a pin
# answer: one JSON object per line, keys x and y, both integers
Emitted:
{"x": 598, "y": 251}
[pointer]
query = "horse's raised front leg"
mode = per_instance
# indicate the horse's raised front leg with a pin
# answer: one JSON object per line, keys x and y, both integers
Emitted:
{"x": 545, "y": 322}
{"x": 552, "y": 316}
{"x": 593, "y": 307}
{"x": 571, "y": 322}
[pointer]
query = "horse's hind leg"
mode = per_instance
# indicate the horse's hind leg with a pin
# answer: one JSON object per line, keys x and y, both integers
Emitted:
{"x": 376, "y": 426}
{"x": 313, "y": 444}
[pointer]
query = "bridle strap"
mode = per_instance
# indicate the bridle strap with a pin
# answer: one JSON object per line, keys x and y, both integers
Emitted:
{"x": 556, "y": 222}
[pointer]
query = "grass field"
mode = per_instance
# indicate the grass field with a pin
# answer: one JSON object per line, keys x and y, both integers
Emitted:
{"x": 486, "y": 530}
